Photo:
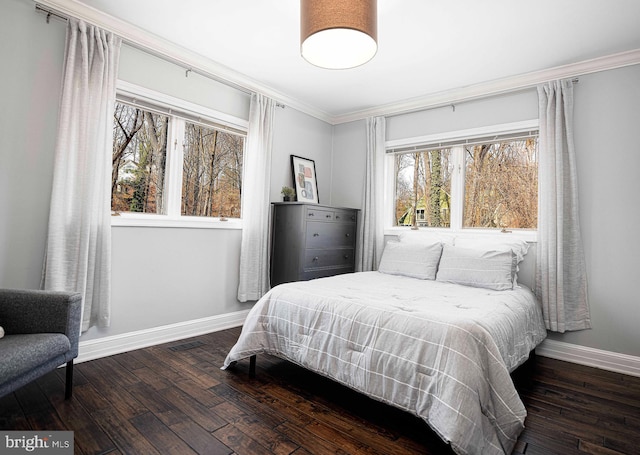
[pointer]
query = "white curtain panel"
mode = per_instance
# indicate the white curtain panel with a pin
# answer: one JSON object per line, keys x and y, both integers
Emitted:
{"x": 78, "y": 254}
{"x": 254, "y": 254}
{"x": 371, "y": 235}
{"x": 561, "y": 279}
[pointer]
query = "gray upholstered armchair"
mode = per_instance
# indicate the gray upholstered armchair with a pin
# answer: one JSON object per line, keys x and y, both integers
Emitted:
{"x": 42, "y": 329}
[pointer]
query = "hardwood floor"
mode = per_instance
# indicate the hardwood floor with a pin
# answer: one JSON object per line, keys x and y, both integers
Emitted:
{"x": 174, "y": 399}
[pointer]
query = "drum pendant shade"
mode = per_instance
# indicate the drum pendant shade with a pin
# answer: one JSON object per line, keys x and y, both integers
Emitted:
{"x": 338, "y": 34}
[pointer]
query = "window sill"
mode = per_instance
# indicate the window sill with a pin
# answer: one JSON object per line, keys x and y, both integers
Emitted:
{"x": 528, "y": 235}
{"x": 163, "y": 221}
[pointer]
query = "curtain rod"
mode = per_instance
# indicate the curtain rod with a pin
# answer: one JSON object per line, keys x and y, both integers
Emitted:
{"x": 188, "y": 69}
{"x": 49, "y": 13}
{"x": 453, "y": 105}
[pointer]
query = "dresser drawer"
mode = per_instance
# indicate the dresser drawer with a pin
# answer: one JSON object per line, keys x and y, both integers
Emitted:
{"x": 314, "y": 259}
{"x": 321, "y": 273}
{"x": 330, "y": 235}
{"x": 338, "y": 215}
{"x": 345, "y": 216}
{"x": 316, "y": 214}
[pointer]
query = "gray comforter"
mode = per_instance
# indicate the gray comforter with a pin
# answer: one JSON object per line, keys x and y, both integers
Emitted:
{"x": 441, "y": 351}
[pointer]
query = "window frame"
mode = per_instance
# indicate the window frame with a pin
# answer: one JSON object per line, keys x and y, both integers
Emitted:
{"x": 457, "y": 180}
{"x": 184, "y": 111}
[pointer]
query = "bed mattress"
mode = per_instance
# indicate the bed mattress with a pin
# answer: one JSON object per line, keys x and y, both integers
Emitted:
{"x": 439, "y": 350}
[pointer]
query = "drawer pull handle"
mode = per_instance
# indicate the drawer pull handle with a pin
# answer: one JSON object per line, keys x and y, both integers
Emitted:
{"x": 315, "y": 259}
{"x": 327, "y": 216}
{"x": 311, "y": 214}
{"x": 337, "y": 217}
{"x": 346, "y": 256}
{"x": 315, "y": 234}
{"x": 347, "y": 235}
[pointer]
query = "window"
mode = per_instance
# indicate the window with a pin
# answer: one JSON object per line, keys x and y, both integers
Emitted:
{"x": 475, "y": 182}
{"x": 212, "y": 172}
{"x": 423, "y": 188}
{"x": 501, "y": 185}
{"x": 174, "y": 163}
{"x": 139, "y": 160}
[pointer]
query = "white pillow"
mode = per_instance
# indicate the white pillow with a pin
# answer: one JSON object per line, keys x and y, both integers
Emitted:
{"x": 1, "y": 332}
{"x": 519, "y": 247}
{"x": 413, "y": 260}
{"x": 483, "y": 269}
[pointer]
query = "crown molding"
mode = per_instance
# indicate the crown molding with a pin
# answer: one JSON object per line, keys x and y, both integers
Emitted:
{"x": 179, "y": 55}
{"x": 496, "y": 87}
{"x": 182, "y": 56}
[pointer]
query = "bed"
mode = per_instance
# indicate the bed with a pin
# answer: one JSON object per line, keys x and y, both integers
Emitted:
{"x": 431, "y": 346}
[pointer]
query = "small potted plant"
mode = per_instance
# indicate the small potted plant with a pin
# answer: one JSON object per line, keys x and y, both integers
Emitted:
{"x": 287, "y": 193}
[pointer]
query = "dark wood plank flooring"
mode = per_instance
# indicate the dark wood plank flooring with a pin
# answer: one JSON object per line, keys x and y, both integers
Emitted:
{"x": 174, "y": 399}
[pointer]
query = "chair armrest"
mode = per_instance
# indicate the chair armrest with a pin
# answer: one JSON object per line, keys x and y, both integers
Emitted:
{"x": 32, "y": 311}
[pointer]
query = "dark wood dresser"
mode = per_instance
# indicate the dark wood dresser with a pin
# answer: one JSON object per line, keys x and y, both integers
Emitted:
{"x": 311, "y": 241}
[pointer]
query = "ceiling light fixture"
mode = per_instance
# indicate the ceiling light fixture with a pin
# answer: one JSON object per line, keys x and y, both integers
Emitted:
{"x": 338, "y": 34}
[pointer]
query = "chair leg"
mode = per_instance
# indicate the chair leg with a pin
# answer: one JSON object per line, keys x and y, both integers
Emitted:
{"x": 68, "y": 386}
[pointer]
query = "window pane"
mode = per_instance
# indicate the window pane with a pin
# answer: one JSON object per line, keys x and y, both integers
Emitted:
{"x": 139, "y": 160}
{"x": 212, "y": 172}
{"x": 501, "y": 185}
{"x": 423, "y": 188}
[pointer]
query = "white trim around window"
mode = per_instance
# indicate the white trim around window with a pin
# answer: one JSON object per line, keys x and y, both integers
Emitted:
{"x": 419, "y": 143}
{"x": 174, "y": 106}
{"x": 165, "y": 221}
{"x": 461, "y": 135}
{"x": 168, "y": 105}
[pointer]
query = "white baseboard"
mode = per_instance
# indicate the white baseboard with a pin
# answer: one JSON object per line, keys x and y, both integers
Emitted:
{"x": 116, "y": 344}
{"x": 103, "y": 347}
{"x": 605, "y": 360}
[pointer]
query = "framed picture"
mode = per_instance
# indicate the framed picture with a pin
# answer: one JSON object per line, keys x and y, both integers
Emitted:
{"x": 304, "y": 179}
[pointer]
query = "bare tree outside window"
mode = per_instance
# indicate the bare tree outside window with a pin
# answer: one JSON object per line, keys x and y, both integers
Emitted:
{"x": 423, "y": 188}
{"x": 212, "y": 172}
{"x": 139, "y": 160}
{"x": 165, "y": 164}
{"x": 501, "y": 185}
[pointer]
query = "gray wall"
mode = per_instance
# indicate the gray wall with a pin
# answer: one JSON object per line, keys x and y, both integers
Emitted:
{"x": 301, "y": 135}
{"x": 607, "y": 118}
{"x": 146, "y": 70}
{"x": 349, "y": 144}
{"x": 514, "y": 107}
{"x": 607, "y": 115}
{"x": 31, "y": 54}
{"x": 160, "y": 275}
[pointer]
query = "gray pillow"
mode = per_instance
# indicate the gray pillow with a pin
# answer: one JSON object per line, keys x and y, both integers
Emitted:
{"x": 412, "y": 260}
{"x": 488, "y": 269}
{"x": 500, "y": 243}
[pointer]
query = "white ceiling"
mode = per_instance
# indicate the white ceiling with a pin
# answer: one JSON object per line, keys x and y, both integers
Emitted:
{"x": 425, "y": 46}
